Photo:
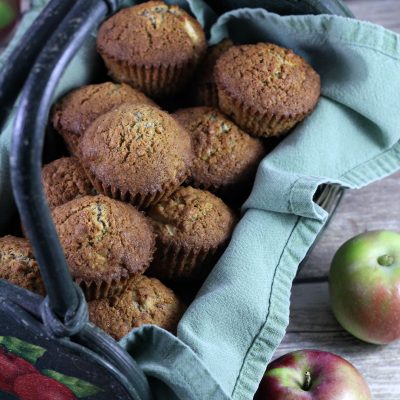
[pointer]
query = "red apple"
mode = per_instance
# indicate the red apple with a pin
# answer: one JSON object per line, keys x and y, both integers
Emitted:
{"x": 12, "y": 366}
{"x": 40, "y": 387}
{"x": 364, "y": 283}
{"x": 312, "y": 375}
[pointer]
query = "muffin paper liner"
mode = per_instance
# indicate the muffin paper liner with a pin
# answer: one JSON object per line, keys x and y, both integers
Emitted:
{"x": 233, "y": 194}
{"x": 207, "y": 95}
{"x": 154, "y": 80}
{"x": 173, "y": 262}
{"x": 139, "y": 200}
{"x": 99, "y": 290}
{"x": 71, "y": 140}
{"x": 255, "y": 123}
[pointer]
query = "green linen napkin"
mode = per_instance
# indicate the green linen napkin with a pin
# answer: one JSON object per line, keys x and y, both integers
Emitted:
{"x": 230, "y": 331}
{"x": 351, "y": 139}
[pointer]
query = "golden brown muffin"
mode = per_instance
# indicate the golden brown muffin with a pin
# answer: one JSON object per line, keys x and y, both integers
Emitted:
{"x": 265, "y": 88}
{"x": 224, "y": 155}
{"x": 18, "y": 264}
{"x": 64, "y": 180}
{"x": 79, "y": 108}
{"x": 206, "y": 89}
{"x": 137, "y": 154}
{"x": 106, "y": 243}
{"x": 152, "y": 46}
{"x": 192, "y": 226}
{"x": 148, "y": 301}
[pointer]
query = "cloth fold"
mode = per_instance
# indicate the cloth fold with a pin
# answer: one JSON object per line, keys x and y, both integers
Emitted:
{"x": 231, "y": 330}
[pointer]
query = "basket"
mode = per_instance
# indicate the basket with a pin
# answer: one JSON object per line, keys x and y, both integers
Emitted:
{"x": 58, "y": 325}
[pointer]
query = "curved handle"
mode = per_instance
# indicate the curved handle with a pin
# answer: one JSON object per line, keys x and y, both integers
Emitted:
{"x": 26, "y": 153}
{"x": 27, "y": 146}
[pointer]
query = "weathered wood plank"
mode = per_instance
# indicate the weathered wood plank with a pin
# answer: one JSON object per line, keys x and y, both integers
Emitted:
{"x": 312, "y": 325}
{"x": 383, "y": 12}
{"x": 376, "y": 206}
{"x": 310, "y": 309}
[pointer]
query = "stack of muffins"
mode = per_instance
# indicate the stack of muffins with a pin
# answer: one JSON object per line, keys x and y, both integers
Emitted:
{"x": 141, "y": 202}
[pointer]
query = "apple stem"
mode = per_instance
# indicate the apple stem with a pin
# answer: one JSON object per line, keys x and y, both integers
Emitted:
{"x": 385, "y": 260}
{"x": 307, "y": 381}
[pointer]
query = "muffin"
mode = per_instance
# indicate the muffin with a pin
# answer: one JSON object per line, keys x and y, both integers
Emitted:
{"x": 192, "y": 227}
{"x": 106, "y": 243}
{"x": 18, "y": 264}
{"x": 64, "y": 180}
{"x": 79, "y": 108}
{"x": 137, "y": 154}
{"x": 266, "y": 89}
{"x": 148, "y": 301}
{"x": 152, "y": 46}
{"x": 205, "y": 88}
{"x": 225, "y": 157}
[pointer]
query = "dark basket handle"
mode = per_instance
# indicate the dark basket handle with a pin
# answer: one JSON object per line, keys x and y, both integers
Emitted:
{"x": 27, "y": 148}
{"x": 64, "y": 311}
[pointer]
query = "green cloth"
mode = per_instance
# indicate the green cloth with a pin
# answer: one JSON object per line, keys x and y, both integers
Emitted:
{"x": 230, "y": 331}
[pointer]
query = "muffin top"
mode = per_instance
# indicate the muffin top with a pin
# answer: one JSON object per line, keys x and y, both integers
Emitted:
{"x": 224, "y": 154}
{"x": 151, "y": 33}
{"x": 137, "y": 149}
{"x": 79, "y": 108}
{"x": 206, "y": 70}
{"x": 103, "y": 239}
{"x": 18, "y": 264}
{"x": 147, "y": 302}
{"x": 193, "y": 218}
{"x": 64, "y": 180}
{"x": 268, "y": 79}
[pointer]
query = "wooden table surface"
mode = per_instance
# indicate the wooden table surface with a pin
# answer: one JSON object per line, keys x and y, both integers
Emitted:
{"x": 377, "y": 206}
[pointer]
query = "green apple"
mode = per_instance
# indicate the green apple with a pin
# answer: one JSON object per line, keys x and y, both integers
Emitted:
{"x": 364, "y": 284}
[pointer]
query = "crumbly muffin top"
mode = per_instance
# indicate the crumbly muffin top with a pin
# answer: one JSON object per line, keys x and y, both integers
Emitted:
{"x": 147, "y": 302}
{"x": 224, "y": 154}
{"x": 137, "y": 149}
{"x": 64, "y": 180}
{"x": 104, "y": 239}
{"x": 206, "y": 70}
{"x": 193, "y": 218}
{"x": 79, "y": 108}
{"x": 151, "y": 33}
{"x": 18, "y": 264}
{"x": 268, "y": 78}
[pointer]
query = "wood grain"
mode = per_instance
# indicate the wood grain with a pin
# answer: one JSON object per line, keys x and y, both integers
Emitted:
{"x": 383, "y": 12}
